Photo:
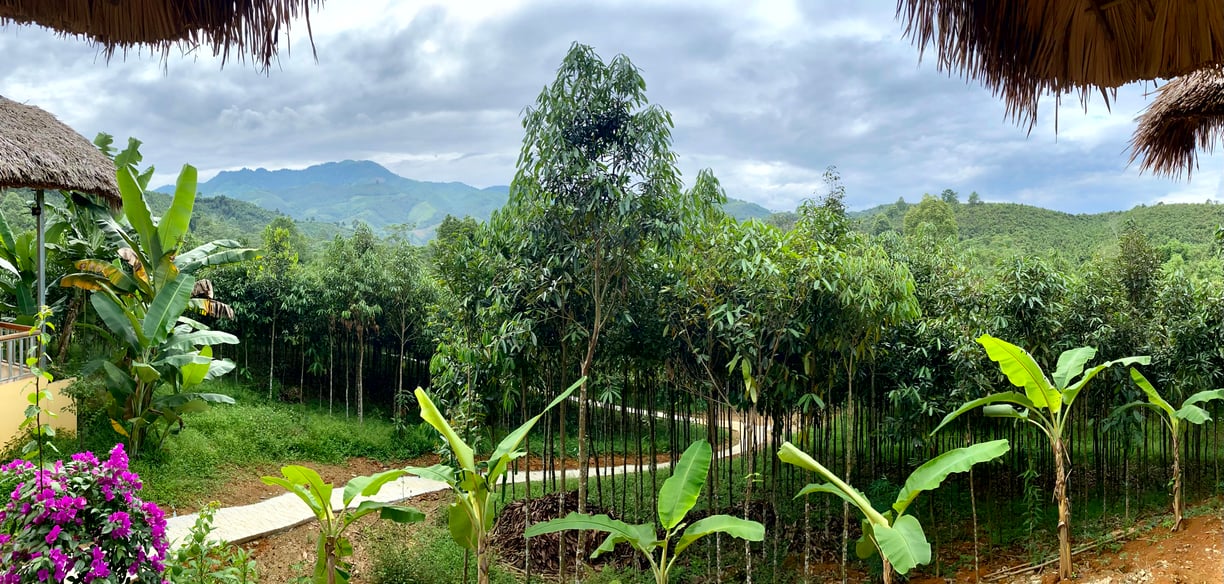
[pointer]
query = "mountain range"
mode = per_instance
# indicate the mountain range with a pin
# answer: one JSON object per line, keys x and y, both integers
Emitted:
{"x": 328, "y": 199}
{"x": 343, "y": 193}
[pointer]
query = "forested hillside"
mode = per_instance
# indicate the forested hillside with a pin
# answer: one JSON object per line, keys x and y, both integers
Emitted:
{"x": 743, "y": 210}
{"x": 999, "y": 229}
{"x": 223, "y": 217}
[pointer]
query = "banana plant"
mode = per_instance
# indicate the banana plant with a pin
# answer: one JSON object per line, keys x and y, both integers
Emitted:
{"x": 1046, "y": 404}
{"x": 677, "y": 497}
{"x": 19, "y": 258}
{"x": 1176, "y": 421}
{"x": 333, "y": 546}
{"x": 141, "y": 297}
{"x": 471, "y": 515}
{"x": 898, "y": 538}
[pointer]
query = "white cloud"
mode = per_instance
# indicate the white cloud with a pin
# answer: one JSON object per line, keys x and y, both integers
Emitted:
{"x": 767, "y": 93}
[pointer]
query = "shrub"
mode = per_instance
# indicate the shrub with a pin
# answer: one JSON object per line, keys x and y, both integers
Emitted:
{"x": 426, "y": 554}
{"x": 81, "y": 519}
{"x": 201, "y": 560}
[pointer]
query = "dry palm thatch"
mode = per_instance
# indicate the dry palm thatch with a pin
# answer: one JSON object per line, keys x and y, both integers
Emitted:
{"x": 1187, "y": 115}
{"x": 250, "y": 27}
{"x": 1021, "y": 49}
{"x": 38, "y": 151}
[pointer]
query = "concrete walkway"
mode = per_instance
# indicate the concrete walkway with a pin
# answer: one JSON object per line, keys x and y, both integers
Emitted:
{"x": 250, "y": 522}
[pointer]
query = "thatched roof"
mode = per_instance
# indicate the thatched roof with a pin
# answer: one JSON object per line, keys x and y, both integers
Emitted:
{"x": 38, "y": 151}
{"x": 1021, "y": 49}
{"x": 249, "y": 27}
{"x": 1188, "y": 114}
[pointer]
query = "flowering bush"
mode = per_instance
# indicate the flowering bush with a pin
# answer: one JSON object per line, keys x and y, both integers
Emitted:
{"x": 79, "y": 521}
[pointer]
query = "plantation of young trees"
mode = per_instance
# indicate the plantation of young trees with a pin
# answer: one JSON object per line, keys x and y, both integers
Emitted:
{"x": 852, "y": 344}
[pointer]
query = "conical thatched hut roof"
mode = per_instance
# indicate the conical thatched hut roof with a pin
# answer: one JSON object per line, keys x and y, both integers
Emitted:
{"x": 249, "y": 27}
{"x": 1187, "y": 114}
{"x": 40, "y": 152}
{"x": 1021, "y": 49}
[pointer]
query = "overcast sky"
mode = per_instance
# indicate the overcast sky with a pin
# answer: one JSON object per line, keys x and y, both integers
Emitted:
{"x": 767, "y": 94}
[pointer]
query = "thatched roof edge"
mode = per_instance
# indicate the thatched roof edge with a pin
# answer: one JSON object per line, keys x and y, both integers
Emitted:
{"x": 38, "y": 151}
{"x": 1187, "y": 115}
{"x": 229, "y": 28}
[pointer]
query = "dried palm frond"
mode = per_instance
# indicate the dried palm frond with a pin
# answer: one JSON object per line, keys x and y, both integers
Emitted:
{"x": 1188, "y": 114}
{"x": 1022, "y": 49}
{"x": 248, "y": 27}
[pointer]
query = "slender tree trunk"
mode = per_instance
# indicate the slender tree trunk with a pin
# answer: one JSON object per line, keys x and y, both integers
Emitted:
{"x": 1064, "y": 511}
{"x": 1177, "y": 483}
{"x": 302, "y": 374}
{"x": 348, "y": 363}
{"x": 749, "y": 456}
{"x": 977, "y": 562}
{"x": 272, "y": 354}
{"x": 973, "y": 509}
{"x": 66, "y": 326}
{"x": 331, "y": 371}
{"x": 584, "y": 469}
{"x": 399, "y": 371}
{"x": 848, "y": 440}
{"x": 360, "y": 367}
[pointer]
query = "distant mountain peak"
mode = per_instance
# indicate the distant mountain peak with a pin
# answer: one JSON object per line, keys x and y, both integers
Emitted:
{"x": 329, "y": 173}
{"x": 341, "y": 193}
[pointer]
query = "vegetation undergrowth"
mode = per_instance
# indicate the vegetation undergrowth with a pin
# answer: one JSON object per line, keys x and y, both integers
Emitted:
{"x": 216, "y": 443}
{"x": 422, "y": 553}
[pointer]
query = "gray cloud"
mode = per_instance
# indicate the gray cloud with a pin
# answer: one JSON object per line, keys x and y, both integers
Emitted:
{"x": 766, "y": 94}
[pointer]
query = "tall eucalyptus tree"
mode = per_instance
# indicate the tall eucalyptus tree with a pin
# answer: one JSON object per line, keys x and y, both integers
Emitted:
{"x": 858, "y": 292}
{"x": 407, "y": 296}
{"x": 596, "y": 183}
{"x": 274, "y": 273}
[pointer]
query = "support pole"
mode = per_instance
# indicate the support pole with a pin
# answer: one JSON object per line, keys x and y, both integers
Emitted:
{"x": 39, "y": 217}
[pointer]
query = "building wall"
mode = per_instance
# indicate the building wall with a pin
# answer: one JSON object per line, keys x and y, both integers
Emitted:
{"x": 14, "y": 397}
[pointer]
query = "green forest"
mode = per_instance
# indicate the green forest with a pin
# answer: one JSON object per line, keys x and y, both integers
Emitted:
{"x": 812, "y": 360}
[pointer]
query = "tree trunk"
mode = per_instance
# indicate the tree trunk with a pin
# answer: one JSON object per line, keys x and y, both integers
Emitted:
{"x": 977, "y": 561}
{"x": 1064, "y": 511}
{"x": 66, "y": 326}
{"x": 1177, "y": 484}
{"x": 348, "y": 363}
{"x": 403, "y": 341}
{"x": 887, "y": 572}
{"x": 584, "y": 469}
{"x": 360, "y": 366}
{"x": 848, "y": 440}
{"x": 331, "y": 371}
{"x": 302, "y": 373}
{"x": 272, "y": 355}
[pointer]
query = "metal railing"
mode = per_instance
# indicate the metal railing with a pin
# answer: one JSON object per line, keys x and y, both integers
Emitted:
{"x": 15, "y": 344}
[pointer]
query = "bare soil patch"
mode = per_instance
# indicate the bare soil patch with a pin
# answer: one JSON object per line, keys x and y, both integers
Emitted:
{"x": 1194, "y": 555}
{"x": 507, "y": 536}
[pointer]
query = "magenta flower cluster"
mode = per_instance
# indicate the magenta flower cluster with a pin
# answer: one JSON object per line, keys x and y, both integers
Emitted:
{"x": 80, "y": 521}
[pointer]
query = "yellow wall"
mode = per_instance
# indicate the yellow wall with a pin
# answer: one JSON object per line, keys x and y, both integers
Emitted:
{"x": 14, "y": 399}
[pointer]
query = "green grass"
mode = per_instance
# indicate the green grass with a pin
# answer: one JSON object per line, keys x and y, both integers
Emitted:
{"x": 203, "y": 457}
{"x": 424, "y": 554}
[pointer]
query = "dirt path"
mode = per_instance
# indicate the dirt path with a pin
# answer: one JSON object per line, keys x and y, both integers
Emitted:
{"x": 241, "y": 523}
{"x": 1194, "y": 555}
